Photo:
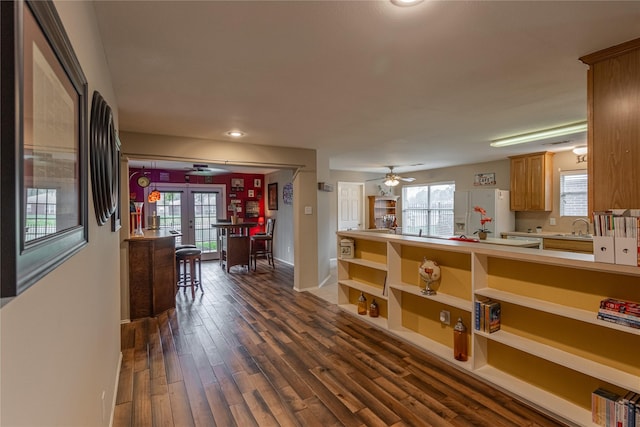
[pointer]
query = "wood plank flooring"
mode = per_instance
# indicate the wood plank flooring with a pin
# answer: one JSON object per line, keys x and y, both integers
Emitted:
{"x": 251, "y": 351}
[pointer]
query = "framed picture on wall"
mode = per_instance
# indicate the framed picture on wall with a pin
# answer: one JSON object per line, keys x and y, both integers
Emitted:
{"x": 257, "y": 183}
{"x": 237, "y": 184}
{"x": 250, "y": 193}
{"x": 273, "y": 196}
{"x": 44, "y": 146}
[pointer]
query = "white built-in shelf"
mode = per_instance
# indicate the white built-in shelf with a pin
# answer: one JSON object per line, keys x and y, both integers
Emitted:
{"x": 449, "y": 300}
{"x": 431, "y": 346}
{"x": 568, "y": 360}
{"x": 547, "y": 402}
{"x": 553, "y": 308}
{"x": 366, "y": 263}
{"x": 380, "y": 322}
{"x": 364, "y": 287}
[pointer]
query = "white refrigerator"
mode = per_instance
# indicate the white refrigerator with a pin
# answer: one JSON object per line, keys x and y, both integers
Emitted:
{"x": 494, "y": 201}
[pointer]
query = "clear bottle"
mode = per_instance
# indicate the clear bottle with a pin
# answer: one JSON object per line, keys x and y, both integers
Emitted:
{"x": 374, "y": 310}
{"x": 362, "y": 304}
{"x": 460, "y": 340}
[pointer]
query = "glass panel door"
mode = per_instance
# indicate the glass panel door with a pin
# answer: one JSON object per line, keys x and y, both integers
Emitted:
{"x": 169, "y": 209}
{"x": 203, "y": 211}
{"x": 190, "y": 210}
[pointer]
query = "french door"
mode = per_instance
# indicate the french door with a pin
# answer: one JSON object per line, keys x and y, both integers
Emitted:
{"x": 191, "y": 210}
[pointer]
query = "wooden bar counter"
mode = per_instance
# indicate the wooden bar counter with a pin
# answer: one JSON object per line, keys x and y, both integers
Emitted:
{"x": 152, "y": 273}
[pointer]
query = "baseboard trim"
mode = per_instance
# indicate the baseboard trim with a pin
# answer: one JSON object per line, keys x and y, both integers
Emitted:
{"x": 115, "y": 391}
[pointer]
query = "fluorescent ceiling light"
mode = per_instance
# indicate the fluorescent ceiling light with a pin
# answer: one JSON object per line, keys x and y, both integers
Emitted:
{"x": 543, "y": 134}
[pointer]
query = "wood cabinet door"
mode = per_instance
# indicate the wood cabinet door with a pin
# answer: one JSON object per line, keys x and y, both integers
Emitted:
{"x": 519, "y": 191}
{"x": 615, "y": 152}
{"x": 536, "y": 183}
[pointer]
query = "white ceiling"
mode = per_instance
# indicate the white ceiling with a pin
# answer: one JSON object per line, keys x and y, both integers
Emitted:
{"x": 366, "y": 82}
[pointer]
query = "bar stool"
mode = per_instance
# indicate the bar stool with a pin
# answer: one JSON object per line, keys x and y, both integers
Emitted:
{"x": 189, "y": 257}
{"x": 262, "y": 245}
{"x": 178, "y": 247}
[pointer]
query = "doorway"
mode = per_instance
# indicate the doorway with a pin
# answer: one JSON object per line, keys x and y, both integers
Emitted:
{"x": 190, "y": 210}
{"x": 350, "y": 206}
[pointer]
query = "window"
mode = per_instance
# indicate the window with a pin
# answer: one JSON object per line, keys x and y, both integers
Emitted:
{"x": 428, "y": 209}
{"x": 41, "y": 217}
{"x": 573, "y": 193}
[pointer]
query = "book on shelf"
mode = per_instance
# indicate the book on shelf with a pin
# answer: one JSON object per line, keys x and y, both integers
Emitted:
{"x": 603, "y": 407}
{"x": 621, "y": 306}
{"x": 616, "y": 236}
{"x": 478, "y": 313}
{"x": 622, "y": 312}
{"x": 609, "y": 409}
{"x": 487, "y": 315}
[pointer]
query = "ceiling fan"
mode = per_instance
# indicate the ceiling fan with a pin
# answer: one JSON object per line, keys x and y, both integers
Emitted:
{"x": 392, "y": 179}
{"x": 201, "y": 170}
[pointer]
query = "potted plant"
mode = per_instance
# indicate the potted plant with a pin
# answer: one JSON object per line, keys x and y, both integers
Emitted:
{"x": 482, "y": 231}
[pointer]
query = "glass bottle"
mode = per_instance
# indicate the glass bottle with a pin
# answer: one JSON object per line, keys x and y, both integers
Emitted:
{"x": 362, "y": 304}
{"x": 460, "y": 341}
{"x": 374, "y": 310}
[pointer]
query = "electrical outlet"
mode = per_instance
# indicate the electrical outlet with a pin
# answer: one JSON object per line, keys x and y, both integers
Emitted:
{"x": 445, "y": 317}
{"x": 552, "y": 221}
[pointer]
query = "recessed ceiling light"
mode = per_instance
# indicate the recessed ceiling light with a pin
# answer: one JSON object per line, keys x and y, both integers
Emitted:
{"x": 404, "y": 3}
{"x": 235, "y": 133}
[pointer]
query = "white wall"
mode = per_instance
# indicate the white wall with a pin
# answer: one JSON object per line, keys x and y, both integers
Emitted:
{"x": 283, "y": 242}
{"x": 60, "y": 343}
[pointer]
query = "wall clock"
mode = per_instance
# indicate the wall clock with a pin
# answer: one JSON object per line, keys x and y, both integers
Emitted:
{"x": 144, "y": 181}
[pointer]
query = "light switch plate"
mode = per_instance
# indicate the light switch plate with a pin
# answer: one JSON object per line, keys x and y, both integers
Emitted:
{"x": 308, "y": 210}
{"x": 552, "y": 221}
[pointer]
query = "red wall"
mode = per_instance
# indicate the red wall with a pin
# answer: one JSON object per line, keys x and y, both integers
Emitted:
{"x": 177, "y": 176}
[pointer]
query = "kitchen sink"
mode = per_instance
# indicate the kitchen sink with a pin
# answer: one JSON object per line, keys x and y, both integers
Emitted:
{"x": 578, "y": 236}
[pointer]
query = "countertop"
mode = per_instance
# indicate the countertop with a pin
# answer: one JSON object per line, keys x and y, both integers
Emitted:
{"x": 154, "y": 234}
{"x": 548, "y": 235}
{"x": 512, "y": 242}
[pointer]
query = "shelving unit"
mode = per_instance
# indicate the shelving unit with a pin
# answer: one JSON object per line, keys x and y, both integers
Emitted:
{"x": 551, "y": 351}
{"x": 379, "y": 207}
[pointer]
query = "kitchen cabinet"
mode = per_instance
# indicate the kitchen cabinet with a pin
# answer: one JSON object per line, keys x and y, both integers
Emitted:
{"x": 379, "y": 208}
{"x": 544, "y": 352}
{"x": 613, "y": 99}
{"x": 532, "y": 182}
{"x": 570, "y": 245}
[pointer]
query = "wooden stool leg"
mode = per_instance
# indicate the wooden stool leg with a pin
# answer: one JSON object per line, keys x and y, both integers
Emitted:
{"x": 192, "y": 267}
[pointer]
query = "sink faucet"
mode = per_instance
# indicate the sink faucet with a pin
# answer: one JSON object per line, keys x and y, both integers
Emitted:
{"x": 573, "y": 226}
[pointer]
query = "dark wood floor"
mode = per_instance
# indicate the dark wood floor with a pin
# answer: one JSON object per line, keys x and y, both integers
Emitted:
{"x": 250, "y": 351}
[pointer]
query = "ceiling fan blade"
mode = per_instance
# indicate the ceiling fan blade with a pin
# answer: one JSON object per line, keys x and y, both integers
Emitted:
{"x": 375, "y": 179}
{"x": 406, "y": 179}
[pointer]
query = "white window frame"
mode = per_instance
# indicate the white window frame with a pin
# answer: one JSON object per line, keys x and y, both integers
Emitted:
{"x": 564, "y": 194}
{"x": 428, "y": 228}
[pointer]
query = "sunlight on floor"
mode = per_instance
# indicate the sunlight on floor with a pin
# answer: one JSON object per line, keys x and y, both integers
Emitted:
{"x": 328, "y": 291}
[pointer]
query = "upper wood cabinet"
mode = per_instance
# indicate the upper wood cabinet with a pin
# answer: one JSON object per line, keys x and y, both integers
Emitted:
{"x": 532, "y": 182}
{"x": 613, "y": 96}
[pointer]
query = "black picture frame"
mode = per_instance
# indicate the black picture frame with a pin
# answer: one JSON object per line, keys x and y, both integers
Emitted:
{"x": 36, "y": 53}
{"x": 272, "y": 199}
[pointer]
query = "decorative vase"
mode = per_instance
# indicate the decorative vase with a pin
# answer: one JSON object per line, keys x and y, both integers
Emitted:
{"x": 374, "y": 310}
{"x": 362, "y": 304}
{"x": 138, "y": 215}
{"x": 482, "y": 235}
{"x": 460, "y": 341}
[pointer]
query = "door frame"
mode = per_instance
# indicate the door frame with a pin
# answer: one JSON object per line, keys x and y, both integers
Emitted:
{"x": 186, "y": 208}
{"x": 361, "y": 203}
